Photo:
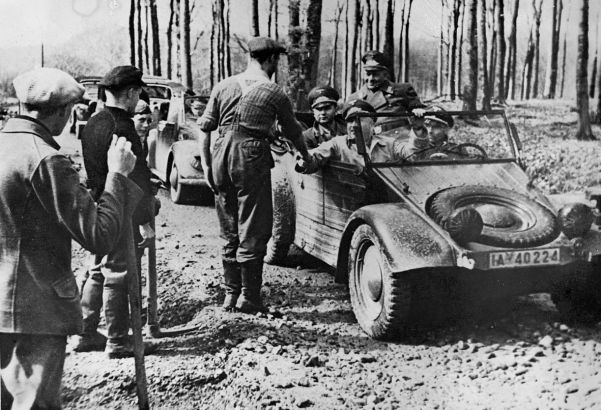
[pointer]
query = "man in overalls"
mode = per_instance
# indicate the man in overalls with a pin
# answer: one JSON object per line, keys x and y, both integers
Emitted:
{"x": 245, "y": 107}
{"x": 384, "y": 95}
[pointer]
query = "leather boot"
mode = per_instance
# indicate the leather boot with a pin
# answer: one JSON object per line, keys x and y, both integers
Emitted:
{"x": 231, "y": 283}
{"x": 252, "y": 277}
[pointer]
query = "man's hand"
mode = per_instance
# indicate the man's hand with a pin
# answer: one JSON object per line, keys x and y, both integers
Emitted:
{"x": 418, "y": 112}
{"x": 147, "y": 235}
{"x": 120, "y": 158}
{"x": 206, "y": 169}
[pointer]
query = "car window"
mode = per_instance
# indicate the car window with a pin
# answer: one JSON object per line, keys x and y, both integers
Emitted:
{"x": 158, "y": 91}
{"x": 447, "y": 137}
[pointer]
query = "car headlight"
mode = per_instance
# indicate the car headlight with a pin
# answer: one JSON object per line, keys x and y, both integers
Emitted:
{"x": 575, "y": 219}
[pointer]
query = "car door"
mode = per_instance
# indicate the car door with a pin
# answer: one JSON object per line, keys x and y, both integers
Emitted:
{"x": 344, "y": 192}
{"x": 167, "y": 135}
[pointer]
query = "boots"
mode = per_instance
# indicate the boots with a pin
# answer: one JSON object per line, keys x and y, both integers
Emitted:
{"x": 232, "y": 283}
{"x": 252, "y": 278}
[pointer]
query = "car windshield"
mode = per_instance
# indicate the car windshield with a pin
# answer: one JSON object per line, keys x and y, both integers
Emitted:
{"x": 158, "y": 91}
{"x": 444, "y": 136}
{"x": 91, "y": 90}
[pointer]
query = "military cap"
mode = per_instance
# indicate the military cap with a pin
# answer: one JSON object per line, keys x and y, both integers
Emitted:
{"x": 47, "y": 87}
{"x": 355, "y": 106}
{"x": 142, "y": 107}
{"x": 438, "y": 114}
{"x": 323, "y": 95}
{"x": 196, "y": 104}
{"x": 122, "y": 76}
{"x": 259, "y": 44}
{"x": 375, "y": 60}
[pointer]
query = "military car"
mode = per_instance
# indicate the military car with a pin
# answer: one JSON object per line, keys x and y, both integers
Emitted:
{"x": 463, "y": 216}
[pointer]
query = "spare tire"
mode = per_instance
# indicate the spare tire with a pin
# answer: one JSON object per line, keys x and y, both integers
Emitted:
{"x": 510, "y": 219}
{"x": 282, "y": 232}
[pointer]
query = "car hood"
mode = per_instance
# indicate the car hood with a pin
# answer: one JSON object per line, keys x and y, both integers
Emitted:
{"x": 420, "y": 182}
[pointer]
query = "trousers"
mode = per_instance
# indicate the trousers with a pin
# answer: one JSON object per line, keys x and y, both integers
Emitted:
{"x": 32, "y": 369}
{"x": 241, "y": 169}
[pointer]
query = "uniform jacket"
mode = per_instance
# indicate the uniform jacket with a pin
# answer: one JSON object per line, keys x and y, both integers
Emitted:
{"x": 319, "y": 133}
{"x": 390, "y": 97}
{"x": 95, "y": 141}
{"x": 43, "y": 207}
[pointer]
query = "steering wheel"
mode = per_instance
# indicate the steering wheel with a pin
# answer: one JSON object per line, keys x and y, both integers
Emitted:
{"x": 459, "y": 148}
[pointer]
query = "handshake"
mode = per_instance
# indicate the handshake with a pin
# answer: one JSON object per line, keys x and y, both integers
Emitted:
{"x": 306, "y": 165}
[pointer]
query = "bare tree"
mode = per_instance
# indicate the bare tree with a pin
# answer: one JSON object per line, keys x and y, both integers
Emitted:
{"x": 483, "y": 46}
{"x": 345, "y": 64}
{"x": 156, "y": 44}
{"x": 510, "y": 61}
{"x": 563, "y": 55}
{"x": 132, "y": 32}
{"x": 551, "y": 73}
{"x": 146, "y": 27}
{"x": 389, "y": 37}
{"x": 441, "y": 45}
{"x": 501, "y": 48}
{"x": 312, "y": 42}
{"x": 254, "y": 9}
{"x": 537, "y": 20}
{"x": 226, "y": 40}
{"x": 140, "y": 45}
{"x": 185, "y": 43}
{"x": 357, "y": 21}
{"x": 460, "y": 49}
{"x": 470, "y": 94}
{"x": 401, "y": 42}
{"x": 377, "y": 24}
{"x": 452, "y": 59}
{"x": 593, "y": 81}
{"x": 170, "y": 39}
{"x": 368, "y": 19}
{"x": 582, "y": 105}
{"x": 406, "y": 40}
{"x": 332, "y": 78}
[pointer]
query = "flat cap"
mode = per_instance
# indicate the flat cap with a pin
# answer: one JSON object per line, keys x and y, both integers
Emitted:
{"x": 438, "y": 114}
{"x": 375, "y": 60}
{"x": 323, "y": 95}
{"x": 355, "y": 106}
{"x": 122, "y": 76}
{"x": 47, "y": 87}
{"x": 258, "y": 44}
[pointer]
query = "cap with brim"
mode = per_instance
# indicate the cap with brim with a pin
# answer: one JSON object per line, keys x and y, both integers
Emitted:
{"x": 356, "y": 106}
{"x": 142, "y": 107}
{"x": 321, "y": 101}
{"x": 447, "y": 122}
{"x": 372, "y": 65}
{"x": 47, "y": 87}
{"x": 122, "y": 76}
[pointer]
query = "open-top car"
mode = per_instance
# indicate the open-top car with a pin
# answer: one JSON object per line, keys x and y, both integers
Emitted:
{"x": 462, "y": 213}
{"x": 173, "y": 148}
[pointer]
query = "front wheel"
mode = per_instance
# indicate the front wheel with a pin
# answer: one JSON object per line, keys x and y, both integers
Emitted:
{"x": 177, "y": 190}
{"x": 380, "y": 298}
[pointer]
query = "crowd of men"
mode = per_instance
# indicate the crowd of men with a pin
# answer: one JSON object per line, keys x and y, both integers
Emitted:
{"x": 43, "y": 207}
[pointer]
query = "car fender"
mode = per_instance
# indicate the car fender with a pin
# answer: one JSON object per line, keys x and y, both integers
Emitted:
{"x": 186, "y": 155}
{"x": 406, "y": 239}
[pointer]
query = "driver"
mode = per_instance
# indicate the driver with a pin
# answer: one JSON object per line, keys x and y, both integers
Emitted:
{"x": 341, "y": 148}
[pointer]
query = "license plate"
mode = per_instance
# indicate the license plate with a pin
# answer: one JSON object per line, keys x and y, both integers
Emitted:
{"x": 512, "y": 259}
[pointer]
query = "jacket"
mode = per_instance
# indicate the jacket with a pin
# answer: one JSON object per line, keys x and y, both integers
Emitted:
{"x": 42, "y": 208}
{"x": 319, "y": 133}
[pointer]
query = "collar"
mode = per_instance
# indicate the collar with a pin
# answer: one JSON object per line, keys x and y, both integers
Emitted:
{"x": 118, "y": 112}
{"x": 255, "y": 72}
{"x": 26, "y": 124}
{"x": 386, "y": 87}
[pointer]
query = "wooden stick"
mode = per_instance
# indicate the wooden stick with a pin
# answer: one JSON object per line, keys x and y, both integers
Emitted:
{"x": 152, "y": 322}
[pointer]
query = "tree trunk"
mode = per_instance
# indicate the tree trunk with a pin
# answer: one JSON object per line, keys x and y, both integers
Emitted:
{"x": 527, "y": 70}
{"x": 551, "y": 72}
{"x": 470, "y": 95}
{"x": 500, "y": 28}
{"x": 535, "y": 86}
{"x": 254, "y": 18}
{"x": 185, "y": 43}
{"x": 453, "y": 50}
{"x": 593, "y": 82}
{"x": 332, "y": 78}
{"x": 170, "y": 41}
{"x": 146, "y": 27}
{"x": 353, "y": 59}
{"x": 226, "y": 39}
{"x": 213, "y": 48}
{"x": 140, "y": 44}
{"x": 345, "y": 64}
{"x": 312, "y": 43}
{"x": 132, "y": 32}
{"x": 483, "y": 46}
{"x": 439, "y": 75}
{"x": 222, "y": 68}
{"x": 598, "y": 113}
{"x": 460, "y": 51}
{"x": 388, "y": 49}
{"x": 275, "y": 19}
{"x": 178, "y": 43}
{"x": 406, "y": 50}
{"x": 401, "y": 42}
{"x": 156, "y": 44}
{"x": 584, "y": 122}
{"x": 511, "y": 53}
{"x": 563, "y": 56}
{"x": 377, "y": 24}
{"x": 368, "y": 23}
{"x": 492, "y": 51}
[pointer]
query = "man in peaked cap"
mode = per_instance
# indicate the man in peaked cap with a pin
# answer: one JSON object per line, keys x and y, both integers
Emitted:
{"x": 244, "y": 107}
{"x": 324, "y": 103}
{"x": 384, "y": 95}
{"x": 44, "y": 208}
{"x": 106, "y": 284}
{"x": 343, "y": 148}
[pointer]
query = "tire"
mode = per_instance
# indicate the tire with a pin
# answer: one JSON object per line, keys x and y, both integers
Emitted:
{"x": 380, "y": 298}
{"x": 523, "y": 222}
{"x": 283, "y": 228}
{"x": 177, "y": 191}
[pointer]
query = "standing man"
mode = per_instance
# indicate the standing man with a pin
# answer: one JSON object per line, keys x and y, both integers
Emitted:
{"x": 384, "y": 95}
{"x": 328, "y": 124}
{"x": 107, "y": 277}
{"x": 43, "y": 208}
{"x": 245, "y": 107}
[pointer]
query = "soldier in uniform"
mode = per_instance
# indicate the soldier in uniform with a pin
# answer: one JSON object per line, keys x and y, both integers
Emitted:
{"x": 245, "y": 107}
{"x": 328, "y": 124}
{"x": 384, "y": 95}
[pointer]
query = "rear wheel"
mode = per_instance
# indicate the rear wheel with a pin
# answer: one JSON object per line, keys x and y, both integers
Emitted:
{"x": 177, "y": 190}
{"x": 381, "y": 300}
